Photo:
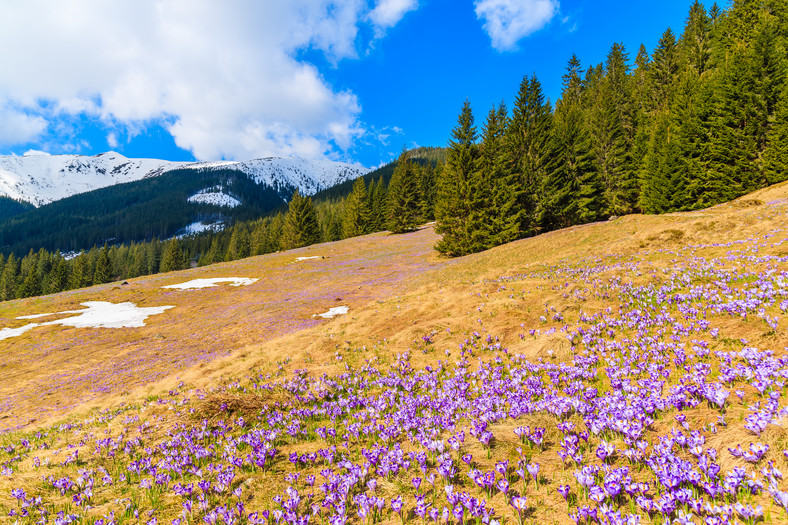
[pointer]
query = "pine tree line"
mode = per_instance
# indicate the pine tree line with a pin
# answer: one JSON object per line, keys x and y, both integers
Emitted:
{"x": 700, "y": 121}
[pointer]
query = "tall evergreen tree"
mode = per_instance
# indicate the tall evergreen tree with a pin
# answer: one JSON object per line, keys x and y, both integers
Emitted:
{"x": 612, "y": 130}
{"x": 404, "y": 196}
{"x": 573, "y": 191}
{"x": 527, "y": 138}
{"x": 356, "y": 219}
{"x": 495, "y": 197}
{"x": 452, "y": 208}
{"x": 240, "y": 244}
{"x": 213, "y": 254}
{"x": 687, "y": 115}
{"x": 775, "y": 156}
{"x": 378, "y": 208}
{"x": 659, "y": 163}
{"x": 300, "y": 226}
{"x": 153, "y": 256}
{"x": 103, "y": 272}
{"x": 695, "y": 43}
{"x": 664, "y": 68}
{"x": 80, "y": 275}
{"x": 30, "y": 285}
{"x": 58, "y": 277}
{"x": 429, "y": 191}
{"x": 172, "y": 258}
{"x": 572, "y": 83}
{"x": 730, "y": 155}
{"x": 9, "y": 278}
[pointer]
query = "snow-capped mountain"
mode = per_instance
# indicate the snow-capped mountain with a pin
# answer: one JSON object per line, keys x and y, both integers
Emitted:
{"x": 309, "y": 176}
{"x": 41, "y": 179}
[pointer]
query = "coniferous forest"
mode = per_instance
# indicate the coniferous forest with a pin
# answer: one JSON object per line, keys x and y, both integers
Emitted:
{"x": 700, "y": 120}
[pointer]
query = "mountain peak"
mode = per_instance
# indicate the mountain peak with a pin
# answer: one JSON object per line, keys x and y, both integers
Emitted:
{"x": 40, "y": 178}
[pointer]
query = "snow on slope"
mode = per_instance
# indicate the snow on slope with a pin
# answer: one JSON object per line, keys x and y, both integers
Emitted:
{"x": 309, "y": 176}
{"x": 41, "y": 179}
{"x": 215, "y": 198}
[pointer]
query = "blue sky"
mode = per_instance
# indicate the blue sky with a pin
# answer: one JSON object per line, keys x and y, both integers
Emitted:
{"x": 350, "y": 80}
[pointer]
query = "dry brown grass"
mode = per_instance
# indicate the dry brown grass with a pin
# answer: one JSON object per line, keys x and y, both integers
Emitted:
{"x": 398, "y": 290}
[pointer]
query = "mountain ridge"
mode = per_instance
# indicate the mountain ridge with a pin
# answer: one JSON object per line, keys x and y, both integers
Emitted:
{"x": 43, "y": 179}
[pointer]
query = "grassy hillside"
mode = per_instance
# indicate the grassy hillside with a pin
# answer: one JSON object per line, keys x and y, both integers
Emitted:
{"x": 620, "y": 363}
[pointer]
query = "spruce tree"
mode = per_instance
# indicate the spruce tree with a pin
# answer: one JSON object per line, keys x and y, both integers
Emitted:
{"x": 103, "y": 271}
{"x": 573, "y": 191}
{"x": 172, "y": 258}
{"x": 663, "y": 69}
{"x": 429, "y": 191}
{"x": 495, "y": 197}
{"x": 775, "y": 156}
{"x": 694, "y": 44}
{"x": 572, "y": 84}
{"x": 9, "y": 278}
{"x": 300, "y": 226}
{"x": 58, "y": 277}
{"x": 378, "y": 208}
{"x": 688, "y": 139}
{"x": 213, "y": 254}
{"x": 730, "y": 154}
{"x": 80, "y": 275}
{"x": 356, "y": 220}
{"x": 612, "y": 131}
{"x": 404, "y": 196}
{"x": 30, "y": 285}
{"x": 452, "y": 207}
{"x": 240, "y": 244}
{"x": 152, "y": 256}
{"x": 527, "y": 139}
{"x": 767, "y": 70}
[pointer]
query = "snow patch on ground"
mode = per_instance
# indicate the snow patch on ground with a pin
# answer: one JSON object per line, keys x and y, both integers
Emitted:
{"x": 215, "y": 198}
{"x": 194, "y": 284}
{"x": 199, "y": 227}
{"x": 299, "y": 259}
{"x": 333, "y": 312}
{"x": 99, "y": 314}
{"x": 5, "y": 333}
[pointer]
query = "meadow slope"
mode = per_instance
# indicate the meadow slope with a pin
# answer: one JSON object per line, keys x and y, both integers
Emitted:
{"x": 619, "y": 372}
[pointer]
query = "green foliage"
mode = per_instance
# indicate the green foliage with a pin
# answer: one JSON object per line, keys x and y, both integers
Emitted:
{"x": 300, "y": 227}
{"x": 10, "y": 207}
{"x": 496, "y": 193}
{"x": 135, "y": 211}
{"x": 527, "y": 138}
{"x": 357, "y": 211}
{"x": 172, "y": 259}
{"x": 103, "y": 272}
{"x": 404, "y": 196}
{"x": 611, "y": 123}
{"x": 240, "y": 244}
{"x": 573, "y": 191}
{"x": 452, "y": 208}
{"x": 775, "y": 157}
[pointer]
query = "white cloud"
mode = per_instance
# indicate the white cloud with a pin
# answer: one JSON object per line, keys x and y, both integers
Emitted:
{"x": 17, "y": 126}
{"x": 223, "y": 77}
{"x": 387, "y": 13}
{"x": 507, "y": 21}
{"x": 112, "y": 140}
